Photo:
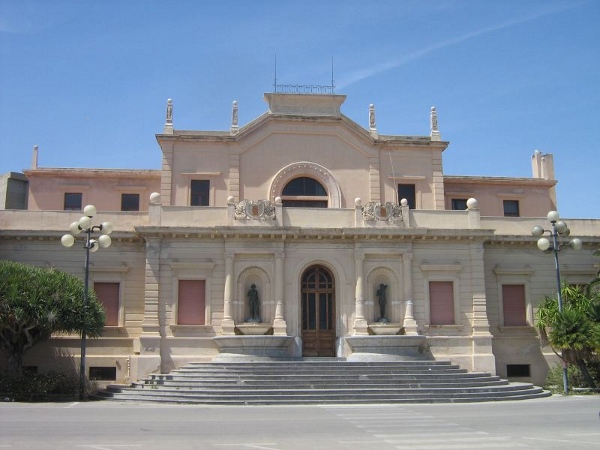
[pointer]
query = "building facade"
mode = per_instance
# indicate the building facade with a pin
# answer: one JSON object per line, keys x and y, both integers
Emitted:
{"x": 302, "y": 233}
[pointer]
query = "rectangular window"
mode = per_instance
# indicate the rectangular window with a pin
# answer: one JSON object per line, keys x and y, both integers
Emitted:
{"x": 511, "y": 208}
{"x": 441, "y": 303}
{"x": 73, "y": 201}
{"x": 130, "y": 202}
{"x": 513, "y": 305}
{"x": 190, "y": 303}
{"x": 108, "y": 294}
{"x": 407, "y": 191}
{"x": 199, "y": 191}
{"x": 459, "y": 204}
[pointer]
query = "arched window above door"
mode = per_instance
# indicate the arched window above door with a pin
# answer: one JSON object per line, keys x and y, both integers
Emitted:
{"x": 304, "y": 192}
{"x": 311, "y": 171}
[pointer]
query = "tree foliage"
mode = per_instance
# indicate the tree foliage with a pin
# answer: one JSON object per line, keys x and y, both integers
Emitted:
{"x": 593, "y": 287}
{"x": 36, "y": 302}
{"x": 574, "y": 331}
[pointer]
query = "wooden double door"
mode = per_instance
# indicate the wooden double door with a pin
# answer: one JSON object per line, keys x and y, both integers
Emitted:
{"x": 318, "y": 312}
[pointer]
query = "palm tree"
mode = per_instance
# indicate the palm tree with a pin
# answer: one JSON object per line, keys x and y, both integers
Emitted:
{"x": 574, "y": 331}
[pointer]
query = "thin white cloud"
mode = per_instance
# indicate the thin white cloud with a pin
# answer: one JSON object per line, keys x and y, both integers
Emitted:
{"x": 361, "y": 74}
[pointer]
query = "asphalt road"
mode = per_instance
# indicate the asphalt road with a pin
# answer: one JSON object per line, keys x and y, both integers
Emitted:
{"x": 552, "y": 423}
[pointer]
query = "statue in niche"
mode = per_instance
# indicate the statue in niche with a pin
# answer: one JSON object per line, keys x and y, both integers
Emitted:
{"x": 254, "y": 304}
{"x": 381, "y": 294}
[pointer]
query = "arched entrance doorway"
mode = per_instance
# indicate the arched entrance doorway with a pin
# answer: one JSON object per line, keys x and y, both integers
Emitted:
{"x": 318, "y": 312}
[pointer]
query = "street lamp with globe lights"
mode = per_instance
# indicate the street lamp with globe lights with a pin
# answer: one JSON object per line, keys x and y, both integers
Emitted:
{"x": 559, "y": 229}
{"x": 84, "y": 224}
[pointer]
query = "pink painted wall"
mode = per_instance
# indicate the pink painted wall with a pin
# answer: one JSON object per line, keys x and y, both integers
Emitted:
{"x": 534, "y": 195}
{"x": 101, "y": 188}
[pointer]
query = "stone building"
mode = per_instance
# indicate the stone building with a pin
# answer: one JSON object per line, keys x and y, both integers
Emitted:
{"x": 302, "y": 233}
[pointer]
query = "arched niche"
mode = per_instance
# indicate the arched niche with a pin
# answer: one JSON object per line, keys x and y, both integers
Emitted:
{"x": 394, "y": 308}
{"x": 260, "y": 278}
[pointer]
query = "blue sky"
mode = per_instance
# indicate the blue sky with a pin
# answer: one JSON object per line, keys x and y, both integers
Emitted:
{"x": 88, "y": 81}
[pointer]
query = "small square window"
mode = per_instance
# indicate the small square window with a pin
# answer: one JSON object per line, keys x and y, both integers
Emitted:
{"x": 459, "y": 204}
{"x": 73, "y": 201}
{"x": 511, "y": 208}
{"x": 130, "y": 202}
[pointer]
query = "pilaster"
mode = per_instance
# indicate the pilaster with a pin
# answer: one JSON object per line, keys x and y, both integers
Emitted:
{"x": 151, "y": 322}
{"x": 149, "y": 343}
{"x": 483, "y": 356}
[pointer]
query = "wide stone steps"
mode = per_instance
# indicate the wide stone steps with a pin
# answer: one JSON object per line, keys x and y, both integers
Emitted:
{"x": 321, "y": 382}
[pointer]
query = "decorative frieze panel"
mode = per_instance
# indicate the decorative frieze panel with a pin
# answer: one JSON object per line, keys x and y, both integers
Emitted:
{"x": 388, "y": 212}
{"x": 255, "y": 209}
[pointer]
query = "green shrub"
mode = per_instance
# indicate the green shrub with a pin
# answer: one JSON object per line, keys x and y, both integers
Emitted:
{"x": 554, "y": 380}
{"x": 39, "y": 387}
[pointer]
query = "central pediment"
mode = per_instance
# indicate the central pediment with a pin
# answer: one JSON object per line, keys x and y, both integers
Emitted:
{"x": 320, "y": 105}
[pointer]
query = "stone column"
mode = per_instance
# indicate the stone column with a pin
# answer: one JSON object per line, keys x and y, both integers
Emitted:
{"x": 279, "y": 324}
{"x": 228, "y": 324}
{"x": 409, "y": 322}
{"x": 360, "y": 323}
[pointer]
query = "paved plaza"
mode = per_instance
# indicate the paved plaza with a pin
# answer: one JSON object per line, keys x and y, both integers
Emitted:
{"x": 557, "y": 422}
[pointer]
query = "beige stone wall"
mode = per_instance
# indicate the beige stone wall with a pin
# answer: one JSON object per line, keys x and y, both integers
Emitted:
{"x": 477, "y": 250}
{"x": 186, "y": 251}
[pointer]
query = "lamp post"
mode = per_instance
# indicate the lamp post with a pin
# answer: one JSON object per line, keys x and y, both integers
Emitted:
{"x": 559, "y": 229}
{"x": 90, "y": 245}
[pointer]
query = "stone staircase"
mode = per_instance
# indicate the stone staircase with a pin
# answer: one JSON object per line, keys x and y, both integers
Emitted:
{"x": 321, "y": 381}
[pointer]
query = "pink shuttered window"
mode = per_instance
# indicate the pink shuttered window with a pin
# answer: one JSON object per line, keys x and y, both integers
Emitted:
{"x": 513, "y": 305}
{"x": 190, "y": 304}
{"x": 441, "y": 302}
{"x": 108, "y": 295}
